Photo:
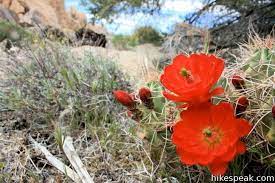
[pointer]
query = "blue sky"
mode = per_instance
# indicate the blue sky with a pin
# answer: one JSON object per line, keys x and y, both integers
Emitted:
{"x": 172, "y": 12}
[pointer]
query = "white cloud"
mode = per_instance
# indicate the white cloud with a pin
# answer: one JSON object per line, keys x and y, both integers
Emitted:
{"x": 125, "y": 24}
{"x": 172, "y": 12}
{"x": 182, "y": 5}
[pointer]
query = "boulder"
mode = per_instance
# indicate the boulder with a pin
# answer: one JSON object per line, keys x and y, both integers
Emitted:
{"x": 91, "y": 38}
{"x": 6, "y": 14}
{"x": 31, "y": 18}
{"x": 59, "y": 7}
{"x": 51, "y": 17}
{"x": 50, "y": 13}
{"x": 54, "y": 34}
{"x": 40, "y": 11}
{"x": 16, "y": 7}
{"x": 77, "y": 17}
{"x": 5, "y": 3}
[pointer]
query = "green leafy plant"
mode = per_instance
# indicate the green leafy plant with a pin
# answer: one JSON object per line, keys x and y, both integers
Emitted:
{"x": 140, "y": 36}
{"x": 124, "y": 42}
{"x": 13, "y": 33}
{"x": 148, "y": 34}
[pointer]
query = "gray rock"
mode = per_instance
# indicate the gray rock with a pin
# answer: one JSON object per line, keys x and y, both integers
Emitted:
{"x": 31, "y": 18}
{"x": 6, "y": 14}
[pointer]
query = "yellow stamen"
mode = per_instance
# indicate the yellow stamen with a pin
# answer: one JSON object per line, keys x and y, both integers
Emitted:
{"x": 207, "y": 132}
{"x": 184, "y": 72}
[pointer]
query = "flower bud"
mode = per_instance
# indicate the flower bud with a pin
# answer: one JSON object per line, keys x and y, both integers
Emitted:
{"x": 241, "y": 105}
{"x": 124, "y": 98}
{"x": 238, "y": 82}
{"x": 145, "y": 96}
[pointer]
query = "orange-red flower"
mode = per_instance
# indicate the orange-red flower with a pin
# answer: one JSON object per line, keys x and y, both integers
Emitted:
{"x": 124, "y": 98}
{"x": 190, "y": 79}
{"x": 209, "y": 135}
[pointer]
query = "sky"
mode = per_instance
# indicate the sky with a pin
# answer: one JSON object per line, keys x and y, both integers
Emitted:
{"x": 172, "y": 12}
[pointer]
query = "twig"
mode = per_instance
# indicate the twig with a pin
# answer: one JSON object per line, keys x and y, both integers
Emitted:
{"x": 56, "y": 162}
{"x": 74, "y": 159}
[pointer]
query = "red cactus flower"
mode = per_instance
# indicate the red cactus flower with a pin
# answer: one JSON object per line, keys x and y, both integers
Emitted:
{"x": 241, "y": 105}
{"x": 145, "y": 96}
{"x": 191, "y": 79}
{"x": 209, "y": 135}
{"x": 124, "y": 98}
{"x": 238, "y": 82}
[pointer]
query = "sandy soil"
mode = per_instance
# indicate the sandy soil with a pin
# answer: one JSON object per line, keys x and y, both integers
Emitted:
{"x": 137, "y": 63}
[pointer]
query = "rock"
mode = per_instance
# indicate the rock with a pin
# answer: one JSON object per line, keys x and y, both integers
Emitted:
{"x": 6, "y": 14}
{"x": 40, "y": 11}
{"x": 61, "y": 15}
{"x": 54, "y": 34}
{"x": 77, "y": 17}
{"x": 91, "y": 38}
{"x": 16, "y": 7}
{"x": 70, "y": 34}
{"x": 31, "y": 18}
{"x": 48, "y": 12}
{"x": 69, "y": 20}
{"x": 5, "y": 3}
{"x": 52, "y": 13}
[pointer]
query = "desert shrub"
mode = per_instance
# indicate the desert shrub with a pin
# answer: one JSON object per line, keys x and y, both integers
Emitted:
{"x": 54, "y": 93}
{"x": 53, "y": 85}
{"x": 148, "y": 34}
{"x": 124, "y": 42}
{"x": 13, "y": 33}
{"x": 141, "y": 35}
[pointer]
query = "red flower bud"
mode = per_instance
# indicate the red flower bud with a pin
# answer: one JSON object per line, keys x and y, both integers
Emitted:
{"x": 273, "y": 111}
{"x": 145, "y": 96}
{"x": 124, "y": 98}
{"x": 238, "y": 82}
{"x": 241, "y": 105}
